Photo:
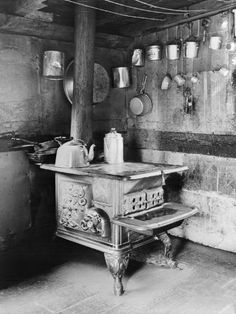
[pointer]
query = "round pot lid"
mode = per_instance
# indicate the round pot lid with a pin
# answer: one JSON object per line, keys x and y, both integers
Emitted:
{"x": 101, "y": 82}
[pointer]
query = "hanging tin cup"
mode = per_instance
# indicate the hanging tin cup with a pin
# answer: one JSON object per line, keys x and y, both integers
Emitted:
{"x": 194, "y": 78}
{"x": 121, "y": 77}
{"x": 153, "y": 52}
{"x": 179, "y": 79}
{"x": 138, "y": 58}
{"x": 165, "y": 84}
{"x": 224, "y": 71}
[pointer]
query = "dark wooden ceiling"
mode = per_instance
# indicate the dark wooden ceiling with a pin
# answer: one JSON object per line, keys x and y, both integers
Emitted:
{"x": 62, "y": 12}
{"x": 119, "y": 19}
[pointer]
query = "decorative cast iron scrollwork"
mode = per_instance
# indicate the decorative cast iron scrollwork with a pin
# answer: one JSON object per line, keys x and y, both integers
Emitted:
{"x": 96, "y": 221}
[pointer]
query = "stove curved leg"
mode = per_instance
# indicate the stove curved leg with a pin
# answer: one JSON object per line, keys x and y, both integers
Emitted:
{"x": 168, "y": 254}
{"x": 117, "y": 265}
{"x": 165, "y": 239}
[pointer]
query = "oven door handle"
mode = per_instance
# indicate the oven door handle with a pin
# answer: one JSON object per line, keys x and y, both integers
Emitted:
{"x": 154, "y": 220}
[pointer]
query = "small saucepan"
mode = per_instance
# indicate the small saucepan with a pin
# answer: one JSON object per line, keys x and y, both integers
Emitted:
{"x": 141, "y": 104}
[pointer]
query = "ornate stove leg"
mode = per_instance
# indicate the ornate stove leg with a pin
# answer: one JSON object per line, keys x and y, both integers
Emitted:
{"x": 165, "y": 239}
{"x": 117, "y": 265}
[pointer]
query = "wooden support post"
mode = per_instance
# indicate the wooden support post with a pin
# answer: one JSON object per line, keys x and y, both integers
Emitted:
{"x": 81, "y": 115}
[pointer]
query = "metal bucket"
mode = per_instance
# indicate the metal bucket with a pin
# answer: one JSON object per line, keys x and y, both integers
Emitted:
{"x": 121, "y": 77}
{"x": 153, "y": 52}
{"x": 215, "y": 42}
{"x": 53, "y": 64}
{"x": 173, "y": 51}
{"x": 191, "y": 49}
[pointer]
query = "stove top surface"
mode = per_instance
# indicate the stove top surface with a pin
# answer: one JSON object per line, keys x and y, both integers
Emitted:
{"x": 123, "y": 171}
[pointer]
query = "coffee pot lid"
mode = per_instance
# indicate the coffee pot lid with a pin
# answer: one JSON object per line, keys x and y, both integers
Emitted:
{"x": 113, "y": 133}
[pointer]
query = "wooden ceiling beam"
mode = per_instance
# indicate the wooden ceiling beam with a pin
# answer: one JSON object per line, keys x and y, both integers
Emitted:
{"x": 25, "y": 26}
{"x": 30, "y": 9}
{"x": 211, "y": 7}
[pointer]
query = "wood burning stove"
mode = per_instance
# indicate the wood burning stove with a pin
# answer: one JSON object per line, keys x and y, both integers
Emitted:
{"x": 115, "y": 209}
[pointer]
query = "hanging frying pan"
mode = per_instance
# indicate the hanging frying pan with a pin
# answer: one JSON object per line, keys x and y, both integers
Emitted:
{"x": 141, "y": 104}
{"x": 101, "y": 82}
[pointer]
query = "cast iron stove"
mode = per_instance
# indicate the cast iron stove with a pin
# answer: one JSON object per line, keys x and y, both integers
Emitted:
{"x": 116, "y": 208}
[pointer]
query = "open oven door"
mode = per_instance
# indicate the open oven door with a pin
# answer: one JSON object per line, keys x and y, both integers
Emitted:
{"x": 157, "y": 219}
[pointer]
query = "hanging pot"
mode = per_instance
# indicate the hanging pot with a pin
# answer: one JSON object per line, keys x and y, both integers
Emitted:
{"x": 153, "y": 52}
{"x": 141, "y": 104}
{"x": 121, "y": 77}
{"x": 191, "y": 48}
{"x": 215, "y": 42}
{"x": 173, "y": 51}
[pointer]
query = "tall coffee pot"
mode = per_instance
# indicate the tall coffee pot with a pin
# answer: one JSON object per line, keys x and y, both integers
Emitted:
{"x": 113, "y": 147}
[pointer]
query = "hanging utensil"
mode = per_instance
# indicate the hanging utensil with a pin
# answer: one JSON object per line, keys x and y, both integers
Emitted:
{"x": 191, "y": 45}
{"x": 141, "y": 104}
{"x": 173, "y": 48}
{"x": 154, "y": 52}
{"x": 121, "y": 77}
{"x": 215, "y": 42}
{"x": 138, "y": 58}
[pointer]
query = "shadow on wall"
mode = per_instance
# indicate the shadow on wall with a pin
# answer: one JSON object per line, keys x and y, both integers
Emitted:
{"x": 42, "y": 194}
{"x": 173, "y": 187}
{"x": 27, "y": 206}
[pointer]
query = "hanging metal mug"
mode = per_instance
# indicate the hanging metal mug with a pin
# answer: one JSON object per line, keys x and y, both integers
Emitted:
{"x": 138, "y": 58}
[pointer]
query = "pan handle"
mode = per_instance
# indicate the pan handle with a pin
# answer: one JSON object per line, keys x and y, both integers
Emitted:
{"x": 143, "y": 85}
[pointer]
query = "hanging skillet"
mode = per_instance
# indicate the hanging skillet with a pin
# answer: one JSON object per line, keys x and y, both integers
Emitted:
{"x": 141, "y": 104}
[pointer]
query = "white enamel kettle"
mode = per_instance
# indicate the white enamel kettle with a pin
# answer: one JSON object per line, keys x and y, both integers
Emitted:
{"x": 113, "y": 147}
{"x": 74, "y": 154}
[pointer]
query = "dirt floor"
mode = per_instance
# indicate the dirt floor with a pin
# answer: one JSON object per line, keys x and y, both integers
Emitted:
{"x": 63, "y": 277}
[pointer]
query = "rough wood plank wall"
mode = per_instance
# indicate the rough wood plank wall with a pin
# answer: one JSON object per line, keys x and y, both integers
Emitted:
{"x": 213, "y": 121}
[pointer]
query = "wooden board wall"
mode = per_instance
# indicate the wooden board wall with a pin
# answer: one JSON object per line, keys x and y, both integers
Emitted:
{"x": 214, "y": 95}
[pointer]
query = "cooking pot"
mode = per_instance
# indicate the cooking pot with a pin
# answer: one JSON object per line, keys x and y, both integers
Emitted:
{"x": 141, "y": 104}
{"x": 173, "y": 51}
{"x": 191, "y": 48}
{"x": 153, "y": 52}
{"x": 121, "y": 77}
{"x": 215, "y": 42}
